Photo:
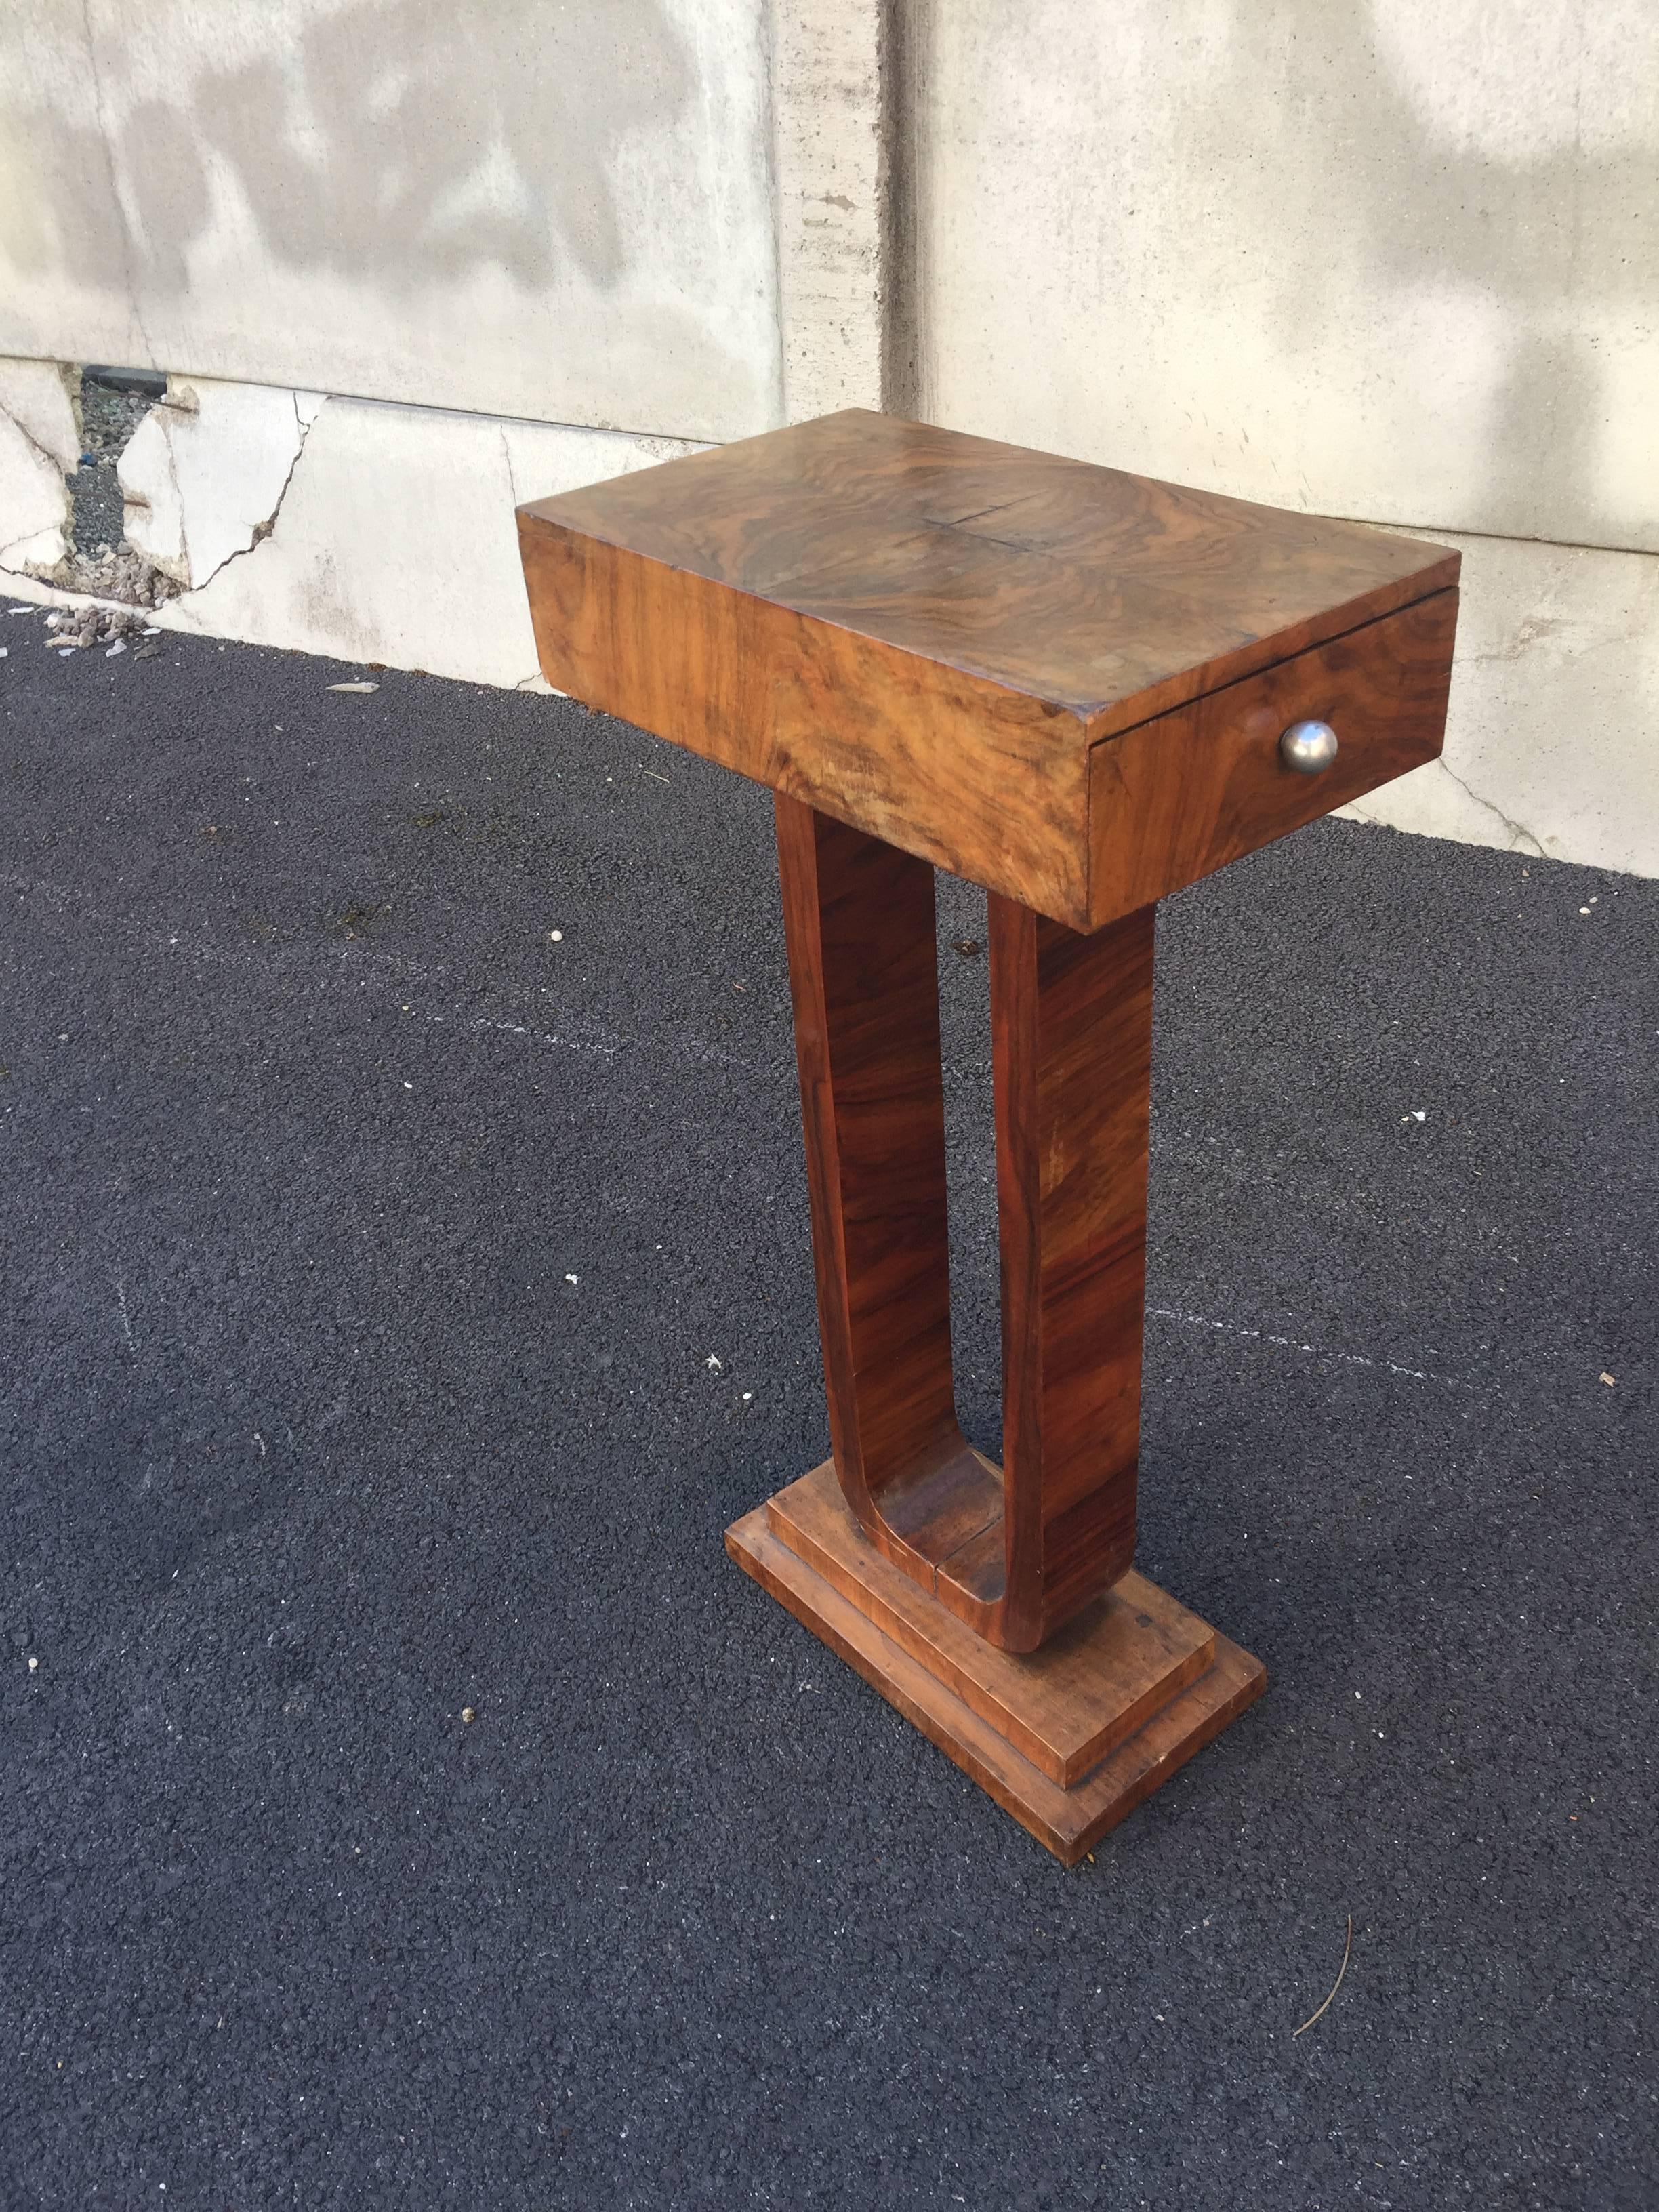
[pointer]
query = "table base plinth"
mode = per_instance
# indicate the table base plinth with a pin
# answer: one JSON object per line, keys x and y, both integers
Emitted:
{"x": 1067, "y": 1739}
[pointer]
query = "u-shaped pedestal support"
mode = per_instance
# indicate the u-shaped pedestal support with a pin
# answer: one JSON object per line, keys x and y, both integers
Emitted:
{"x": 1014, "y": 1552}
{"x": 998, "y": 1561}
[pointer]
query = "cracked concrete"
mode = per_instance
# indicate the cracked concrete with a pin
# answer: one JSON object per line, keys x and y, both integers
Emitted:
{"x": 394, "y": 542}
{"x": 207, "y": 470}
{"x": 46, "y": 549}
{"x": 1551, "y": 738}
{"x": 40, "y": 447}
{"x": 1521, "y": 839}
{"x": 1465, "y": 817}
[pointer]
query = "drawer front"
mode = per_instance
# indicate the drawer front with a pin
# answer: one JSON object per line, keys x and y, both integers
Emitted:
{"x": 1179, "y": 796}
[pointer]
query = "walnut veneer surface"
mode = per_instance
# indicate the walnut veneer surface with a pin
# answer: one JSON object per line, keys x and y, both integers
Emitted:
{"x": 927, "y": 635}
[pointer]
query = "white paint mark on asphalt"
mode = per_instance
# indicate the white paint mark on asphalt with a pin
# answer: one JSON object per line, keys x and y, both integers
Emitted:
{"x": 126, "y": 1320}
{"x": 599, "y": 1044}
{"x": 1314, "y": 1350}
{"x": 597, "y": 1048}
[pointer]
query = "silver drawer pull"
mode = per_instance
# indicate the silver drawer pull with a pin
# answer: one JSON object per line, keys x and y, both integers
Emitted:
{"x": 1307, "y": 747}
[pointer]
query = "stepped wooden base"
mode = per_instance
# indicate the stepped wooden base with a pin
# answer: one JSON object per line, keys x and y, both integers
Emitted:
{"x": 1067, "y": 1739}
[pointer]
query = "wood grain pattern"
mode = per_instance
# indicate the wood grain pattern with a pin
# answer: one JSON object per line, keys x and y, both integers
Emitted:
{"x": 1083, "y": 586}
{"x": 1072, "y": 1053}
{"x": 858, "y": 920}
{"x": 1092, "y": 1685}
{"x": 1182, "y": 795}
{"x": 979, "y": 780}
{"x": 1014, "y": 1554}
{"x": 924, "y": 634}
{"x": 1068, "y": 1821}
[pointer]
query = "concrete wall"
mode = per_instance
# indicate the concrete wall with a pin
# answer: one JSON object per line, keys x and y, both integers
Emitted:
{"x": 1379, "y": 258}
{"x": 1387, "y": 260}
{"x": 507, "y": 207}
{"x": 406, "y": 265}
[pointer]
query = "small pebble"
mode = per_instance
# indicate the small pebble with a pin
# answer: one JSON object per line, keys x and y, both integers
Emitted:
{"x": 555, "y": 937}
{"x": 468, "y": 1713}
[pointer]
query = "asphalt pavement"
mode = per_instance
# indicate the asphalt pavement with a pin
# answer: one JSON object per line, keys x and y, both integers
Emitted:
{"x": 404, "y": 1279}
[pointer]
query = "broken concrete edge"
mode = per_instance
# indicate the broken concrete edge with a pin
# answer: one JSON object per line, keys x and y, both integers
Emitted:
{"x": 205, "y": 473}
{"x": 172, "y": 619}
{"x": 406, "y": 518}
{"x": 76, "y": 574}
{"x": 24, "y": 584}
{"x": 42, "y": 408}
{"x": 200, "y": 460}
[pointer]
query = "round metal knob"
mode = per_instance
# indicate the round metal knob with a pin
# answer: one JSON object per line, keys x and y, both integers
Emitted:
{"x": 1307, "y": 747}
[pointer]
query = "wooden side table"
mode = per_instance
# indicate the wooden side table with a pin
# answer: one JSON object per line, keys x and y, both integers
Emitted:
{"x": 1082, "y": 689}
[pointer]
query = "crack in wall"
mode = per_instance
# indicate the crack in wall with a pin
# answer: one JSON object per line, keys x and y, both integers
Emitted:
{"x": 99, "y": 562}
{"x": 186, "y": 406}
{"x": 24, "y": 540}
{"x": 90, "y": 565}
{"x": 261, "y": 530}
{"x": 1524, "y": 837}
{"x": 33, "y": 443}
{"x": 56, "y": 466}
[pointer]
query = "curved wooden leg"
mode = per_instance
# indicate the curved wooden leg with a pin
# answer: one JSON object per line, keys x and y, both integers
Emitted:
{"x": 859, "y": 917}
{"x": 1014, "y": 1552}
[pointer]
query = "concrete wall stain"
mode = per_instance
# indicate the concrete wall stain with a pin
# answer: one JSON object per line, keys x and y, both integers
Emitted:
{"x": 362, "y": 148}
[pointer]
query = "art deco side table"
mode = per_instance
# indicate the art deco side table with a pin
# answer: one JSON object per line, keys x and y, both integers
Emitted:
{"x": 1082, "y": 689}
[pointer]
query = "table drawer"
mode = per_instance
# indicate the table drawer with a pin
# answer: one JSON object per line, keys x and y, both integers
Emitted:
{"x": 1186, "y": 793}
